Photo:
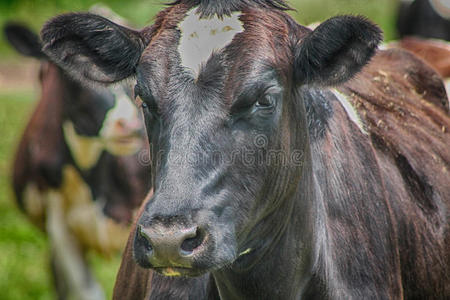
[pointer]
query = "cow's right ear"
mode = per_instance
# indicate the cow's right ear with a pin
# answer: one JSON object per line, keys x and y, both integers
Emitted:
{"x": 91, "y": 47}
{"x": 23, "y": 40}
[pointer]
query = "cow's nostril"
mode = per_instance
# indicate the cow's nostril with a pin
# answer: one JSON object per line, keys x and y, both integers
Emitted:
{"x": 146, "y": 239}
{"x": 169, "y": 246}
{"x": 190, "y": 244}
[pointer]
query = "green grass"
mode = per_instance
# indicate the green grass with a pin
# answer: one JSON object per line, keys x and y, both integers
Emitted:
{"x": 23, "y": 249}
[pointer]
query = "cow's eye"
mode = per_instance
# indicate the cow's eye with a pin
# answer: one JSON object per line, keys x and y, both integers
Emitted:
{"x": 266, "y": 101}
{"x": 150, "y": 108}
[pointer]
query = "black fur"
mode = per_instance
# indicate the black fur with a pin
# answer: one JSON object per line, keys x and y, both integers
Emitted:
{"x": 23, "y": 40}
{"x": 336, "y": 50}
{"x": 319, "y": 110}
{"x": 226, "y": 7}
{"x": 101, "y": 50}
{"x": 419, "y": 19}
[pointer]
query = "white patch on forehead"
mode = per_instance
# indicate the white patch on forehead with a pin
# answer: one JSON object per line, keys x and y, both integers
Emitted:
{"x": 200, "y": 37}
{"x": 351, "y": 111}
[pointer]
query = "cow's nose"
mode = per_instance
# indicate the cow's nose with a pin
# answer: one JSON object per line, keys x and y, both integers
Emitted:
{"x": 172, "y": 246}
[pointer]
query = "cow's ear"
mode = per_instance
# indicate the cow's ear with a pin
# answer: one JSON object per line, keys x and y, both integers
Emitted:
{"x": 23, "y": 40}
{"x": 92, "y": 47}
{"x": 335, "y": 51}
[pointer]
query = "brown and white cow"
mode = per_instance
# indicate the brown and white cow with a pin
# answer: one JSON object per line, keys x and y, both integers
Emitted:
{"x": 76, "y": 172}
{"x": 282, "y": 168}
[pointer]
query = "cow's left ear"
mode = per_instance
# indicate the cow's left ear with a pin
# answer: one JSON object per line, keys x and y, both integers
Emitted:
{"x": 91, "y": 47}
{"x": 335, "y": 51}
{"x": 23, "y": 40}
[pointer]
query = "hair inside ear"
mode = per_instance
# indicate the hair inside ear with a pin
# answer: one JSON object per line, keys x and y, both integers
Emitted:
{"x": 91, "y": 47}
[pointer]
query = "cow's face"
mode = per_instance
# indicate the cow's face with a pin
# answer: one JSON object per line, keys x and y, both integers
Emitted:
{"x": 105, "y": 117}
{"x": 228, "y": 133}
{"x": 219, "y": 122}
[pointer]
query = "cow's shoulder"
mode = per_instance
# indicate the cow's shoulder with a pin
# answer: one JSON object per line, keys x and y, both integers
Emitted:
{"x": 395, "y": 71}
{"x": 403, "y": 103}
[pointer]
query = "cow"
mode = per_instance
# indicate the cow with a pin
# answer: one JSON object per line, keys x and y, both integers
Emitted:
{"x": 287, "y": 163}
{"x": 434, "y": 52}
{"x": 424, "y": 18}
{"x": 424, "y": 29}
{"x": 76, "y": 173}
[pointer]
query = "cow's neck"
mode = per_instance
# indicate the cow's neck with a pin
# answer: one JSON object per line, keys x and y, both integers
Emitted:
{"x": 283, "y": 256}
{"x": 282, "y": 261}
{"x": 354, "y": 239}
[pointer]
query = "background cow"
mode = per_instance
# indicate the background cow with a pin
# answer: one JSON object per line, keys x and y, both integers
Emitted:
{"x": 434, "y": 52}
{"x": 347, "y": 193}
{"x": 424, "y": 29}
{"x": 76, "y": 172}
{"x": 424, "y": 18}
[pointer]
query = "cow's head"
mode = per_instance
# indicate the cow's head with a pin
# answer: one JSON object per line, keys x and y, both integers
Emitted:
{"x": 221, "y": 96}
{"x": 93, "y": 118}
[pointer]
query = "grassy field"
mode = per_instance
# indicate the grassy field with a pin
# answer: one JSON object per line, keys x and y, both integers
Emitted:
{"x": 23, "y": 249}
{"x": 23, "y": 268}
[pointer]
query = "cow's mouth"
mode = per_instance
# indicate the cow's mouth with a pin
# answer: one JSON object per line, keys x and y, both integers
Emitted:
{"x": 178, "y": 272}
{"x": 126, "y": 139}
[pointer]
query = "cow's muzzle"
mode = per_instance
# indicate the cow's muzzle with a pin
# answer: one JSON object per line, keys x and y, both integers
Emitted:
{"x": 169, "y": 249}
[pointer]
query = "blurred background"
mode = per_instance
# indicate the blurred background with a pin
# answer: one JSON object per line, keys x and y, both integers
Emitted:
{"x": 24, "y": 250}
